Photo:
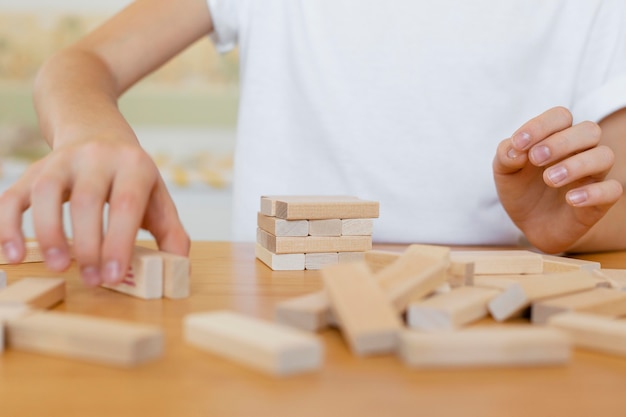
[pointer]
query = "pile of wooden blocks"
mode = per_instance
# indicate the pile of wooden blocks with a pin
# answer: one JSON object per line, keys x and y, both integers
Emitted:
{"x": 310, "y": 232}
{"x": 430, "y": 306}
{"x": 30, "y": 327}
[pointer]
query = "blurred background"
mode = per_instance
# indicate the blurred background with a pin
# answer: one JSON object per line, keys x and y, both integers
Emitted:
{"x": 184, "y": 114}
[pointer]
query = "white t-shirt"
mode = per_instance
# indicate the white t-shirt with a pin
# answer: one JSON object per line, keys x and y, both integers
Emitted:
{"x": 405, "y": 101}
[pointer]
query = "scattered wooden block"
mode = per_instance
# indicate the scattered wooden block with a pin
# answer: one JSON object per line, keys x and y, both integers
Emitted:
{"x": 414, "y": 275}
{"x": 269, "y": 347}
{"x": 501, "y": 262}
{"x": 325, "y": 227}
{"x": 593, "y": 332}
{"x": 280, "y": 227}
{"x": 13, "y": 310}
{"x": 284, "y": 262}
{"x": 176, "y": 270}
{"x": 460, "y": 274}
{"x": 351, "y": 257}
{"x": 313, "y": 244}
{"x": 518, "y": 297}
{"x": 366, "y": 317}
{"x": 32, "y": 254}
{"x": 34, "y": 292}
{"x": 496, "y": 282}
{"x": 310, "y": 312}
{"x": 357, "y": 227}
{"x": 379, "y": 259}
{"x": 325, "y": 207}
{"x": 486, "y": 347}
{"x": 85, "y": 338}
{"x": 616, "y": 278}
{"x": 320, "y": 260}
{"x": 601, "y": 301}
{"x": 461, "y": 306}
{"x": 144, "y": 278}
{"x": 552, "y": 263}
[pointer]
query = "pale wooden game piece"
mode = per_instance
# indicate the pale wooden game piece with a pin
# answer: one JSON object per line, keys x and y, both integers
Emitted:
{"x": 320, "y": 260}
{"x": 414, "y": 275}
{"x": 35, "y": 292}
{"x": 309, "y": 312}
{"x": 268, "y": 202}
{"x": 351, "y": 256}
{"x": 284, "y": 262}
{"x": 176, "y": 270}
{"x": 501, "y": 262}
{"x": 485, "y": 347}
{"x": 461, "y": 306}
{"x": 325, "y": 227}
{"x": 366, "y": 317}
{"x": 316, "y": 207}
{"x": 379, "y": 259}
{"x": 13, "y": 310}
{"x": 313, "y": 244}
{"x": 444, "y": 288}
{"x": 552, "y": 263}
{"x": 144, "y": 278}
{"x": 601, "y": 301}
{"x": 266, "y": 346}
{"x": 280, "y": 227}
{"x": 518, "y": 297}
{"x": 460, "y": 274}
{"x": 32, "y": 254}
{"x": 616, "y": 278}
{"x": 357, "y": 227}
{"x": 592, "y": 332}
{"x": 268, "y": 206}
{"x": 3, "y": 280}
{"x": 85, "y": 338}
{"x": 495, "y": 282}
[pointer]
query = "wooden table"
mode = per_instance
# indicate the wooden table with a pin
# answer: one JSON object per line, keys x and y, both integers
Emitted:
{"x": 189, "y": 382}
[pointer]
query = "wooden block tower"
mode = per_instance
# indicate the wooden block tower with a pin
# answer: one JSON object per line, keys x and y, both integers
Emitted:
{"x": 310, "y": 232}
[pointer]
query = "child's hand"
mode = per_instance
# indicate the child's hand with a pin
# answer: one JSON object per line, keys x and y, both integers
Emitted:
{"x": 89, "y": 174}
{"x": 551, "y": 178}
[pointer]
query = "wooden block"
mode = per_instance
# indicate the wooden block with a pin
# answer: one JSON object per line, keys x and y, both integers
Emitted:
{"x": 616, "y": 278}
{"x": 32, "y": 254}
{"x": 485, "y": 347}
{"x": 351, "y": 257}
{"x": 414, "y": 275}
{"x": 176, "y": 270}
{"x": 320, "y": 260}
{"x": 601, "y": 301}
{"x": 144, "y": 278}
{"x": 284, "y": 262}
{"x": 35, "y": 292}
{"x": 379, "y": 259}
{"x": 357, "y": 227}
{"x": 518, "y": 297}
{"x": 552, "y": 263}
{"x": 367, "y": 319}
{"x": 325, "y": 207}
{"x": 592, "y": 332}
{"x": 268, "y": 202}
{"x": 266, "y": 346}
{"x": 460, "y": 274}
{"x": 313, "y": 244}
{"x": 501, "y": 262}
{"x": 310, "y": 312}
{"x": 11, "y": 311}
{"x": 268, "y": 206}
{"x": 461, "y": 306}
{"x": 85, "y": 338}
{"x": 325, "y": 227}
{"x": 281, "y": 227}
{"x": 495, "y": 282}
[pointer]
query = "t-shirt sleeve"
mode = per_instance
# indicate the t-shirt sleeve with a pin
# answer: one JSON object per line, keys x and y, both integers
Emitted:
{"x": 224, "y": 14}
{"x": 601, "y": 86}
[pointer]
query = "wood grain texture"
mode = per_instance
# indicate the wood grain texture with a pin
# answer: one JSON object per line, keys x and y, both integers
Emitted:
{"x": 316, "y": 207}
{"x": 602, "y": 301}
{"x": 593, "y": 332}
{"x": 35, "y": 292}
{"x": 176, "y": 270}
{"x": 281, "y": 227}
{"x": 144, "y": 278}
{"x": 325, "y": 227}
{"x": 284, "y": 262}
{"x": 501, "y": 261}
{"x": 313, "y": 244}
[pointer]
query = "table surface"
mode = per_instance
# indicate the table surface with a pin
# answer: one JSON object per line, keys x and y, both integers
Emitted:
{"x": 189, "y": 382}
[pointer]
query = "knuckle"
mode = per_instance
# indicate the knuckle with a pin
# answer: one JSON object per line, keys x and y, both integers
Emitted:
{"x": 83, "y": 199}
{"x": 563, "y": 114}
{"x": 125, "y": 201}
{"x": 45, "y": 185}
{"x": 592, "y": 130}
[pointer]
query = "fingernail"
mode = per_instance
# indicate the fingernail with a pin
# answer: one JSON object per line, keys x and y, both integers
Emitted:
{"x": 512, "y": 153}
{"x": 90, "y": 276}
{"x": 56, "y": 259}
{"x": 540, "y": 154}
{"x": 111, "y": 272}
{"x": 521, "y": 140}
{"x": 577, "y": 197}
{"x": 10, "y": 251}
{"x": 557, "y": 174}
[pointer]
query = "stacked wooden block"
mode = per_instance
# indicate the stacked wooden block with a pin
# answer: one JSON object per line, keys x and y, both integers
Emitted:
{"x": 310, "y": 232}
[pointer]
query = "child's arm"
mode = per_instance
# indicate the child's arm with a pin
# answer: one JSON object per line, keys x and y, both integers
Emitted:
{"x": 572, "y": 201}
{"x": 95, "y": 155}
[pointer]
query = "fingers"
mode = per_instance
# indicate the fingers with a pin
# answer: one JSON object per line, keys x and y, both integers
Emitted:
{"x": 605, "y": 193}
{"x": 537, "y": 129}
{"x": 570, "y": 141}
